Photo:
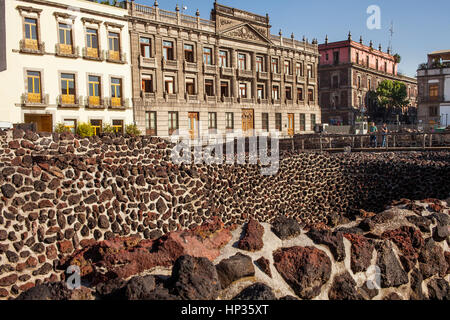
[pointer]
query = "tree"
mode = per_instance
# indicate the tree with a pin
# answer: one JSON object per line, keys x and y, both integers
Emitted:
{"x": 397, "y": 58}
{"x": 392, "y": 97}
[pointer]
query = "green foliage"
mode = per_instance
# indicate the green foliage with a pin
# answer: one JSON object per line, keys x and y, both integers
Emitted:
{"x": 397, "y": 58}
{"x": 392, "y": 94}
{"x": 107, "y": 128}
{"x": 60, "y": 128}
{"x": 132, "y": 130}
{"x": 85, "y": 130}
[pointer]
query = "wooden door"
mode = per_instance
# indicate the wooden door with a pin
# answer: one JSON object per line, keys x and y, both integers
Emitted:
{"x": 193, "y": 124}
{"x": 44, "y": 122}
{"x": 291, "y": 128}
{"x": 247, "y": 120}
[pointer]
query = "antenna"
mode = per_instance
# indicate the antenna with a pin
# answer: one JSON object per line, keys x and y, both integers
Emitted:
{"x": 391, "y": 31}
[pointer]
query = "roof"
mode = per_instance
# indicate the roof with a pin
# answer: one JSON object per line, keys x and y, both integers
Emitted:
{"x": 444, "y": 54}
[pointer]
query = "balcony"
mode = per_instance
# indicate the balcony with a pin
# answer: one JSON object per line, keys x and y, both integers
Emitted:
{"x": 263, "y": 75}
{"x": 276, "y": 76}
{"x": 311, "y": 80}
{"x": 191, "y": 97}
{"x": 148, "y": 96}
{"x": 95, "y": 102}
{"x": 170, "y": 65}
{"x": 245, "y": 100}
{"x": 209, "y": 69}
{"x": 68, "y": 51}
{"x": 149, "y": 63}
{"x": 301, "y": 79}
{"x": 276, "y": 101}
{"x": 211, "y": 99}
{"x": 32, "y": 46}
{"x": 116, "y": 57}
{"x": 263, "y": 101}
{"x": 93, "y": 54}
{"x": 69, "y": 101}
{"x": 227, "y": 99}
{"x": 170, "y": 97}
{"x": 34, "y": 100}
{"x": 244, "y": 73}
{"x": 190, "y": 67}
{"x": 117, "y": 103}
{"x": 289, "y": 78}
{"x": 225, "y": 71}
{"x": 289, "y": 101}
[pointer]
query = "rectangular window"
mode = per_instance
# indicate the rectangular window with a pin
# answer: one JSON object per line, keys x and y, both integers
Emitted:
{"x": 265, "y": 122}
{"x": 92, "y": 43}
{"x": 385, "y": 67}
{"x": 168, "y": 50}
{"x": 169, "y": 84}
{"x": 223, "y": 58}
{"x": 302, "y": 122}
{"x": 274, "y": 65}
{"x": 207, "y": 56}
{"x": 300, "y": 94}
{"x": 433, "y": 111}
{"x": 367, "y": 61}
{"x": 433, "y": 91}
{"x": 287, "y": 67}
{"x": 260, "y": 89}
{"x": 30, "y": 29}
{"x": 229, "y": 118}
{"x": 310, "y": 71}
{"x": 224, "y": 89}
{"x": 190, "y": 86}
{"x": 313, "y": 121}
{"x": 335, "y": 82}
{"x": 288, "y": 93}
{"x": 146, "y": 46}
{"x": 278, "y": 122}
{"x": 34, "y": 86}
{"x": 275, "y": 93}
{"x": 259, "y": 64}
{"x": 117, "y": 126}
{"x": 209, "y": 87}
{"x": 116, "y": 92}
{"x": 189, "y": 52}
{"x": 71, "y": 125}
{"x": 242, "y": 61}
{"x": 147, "y": 83}
{"x": 65, "y": 34}
{"x": 336, "y": 57}
{"x": 299, "y": 69}
{"x": 243, "y": 90}
{"x": 113, "y": 41}
{"x": 97, "y": 125}
{"x": 94, "y": 90}
{"x": 212, "y": 120}
{"x": 173, "y": 122}
{"x": 310, "y": 95}
{"x": 67, "y": 88}
{"x": 150, "y": 123}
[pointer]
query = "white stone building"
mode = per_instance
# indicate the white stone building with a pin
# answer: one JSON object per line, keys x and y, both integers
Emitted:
{"x": 64, "y": 61}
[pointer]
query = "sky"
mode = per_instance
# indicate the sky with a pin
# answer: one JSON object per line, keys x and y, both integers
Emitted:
{"x": 420, "y": 27}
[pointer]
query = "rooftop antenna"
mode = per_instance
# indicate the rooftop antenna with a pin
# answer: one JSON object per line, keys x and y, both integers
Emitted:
{"x": 391, "y": 31}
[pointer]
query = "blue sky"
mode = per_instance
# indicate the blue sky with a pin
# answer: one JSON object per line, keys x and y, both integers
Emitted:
{"x": 420, "y": 27}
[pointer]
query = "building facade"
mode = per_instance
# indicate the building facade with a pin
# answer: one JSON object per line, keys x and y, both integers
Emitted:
{"x": 348, "y": 72}
{"x": 434, "y": 89}
{"x": 225, "y": 74}
{"x": 67, "y": 62}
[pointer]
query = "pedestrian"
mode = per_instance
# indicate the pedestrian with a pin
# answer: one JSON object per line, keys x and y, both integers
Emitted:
{"x": 373, "y": 135}
{"x": 384, "y": 132}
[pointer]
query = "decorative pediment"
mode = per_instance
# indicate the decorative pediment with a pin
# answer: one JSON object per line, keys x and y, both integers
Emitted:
{"x": 246, "y": 32}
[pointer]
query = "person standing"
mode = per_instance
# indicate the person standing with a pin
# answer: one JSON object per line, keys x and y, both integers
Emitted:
{"x": 384, "y": 132}
{"x": 373, "y": 135}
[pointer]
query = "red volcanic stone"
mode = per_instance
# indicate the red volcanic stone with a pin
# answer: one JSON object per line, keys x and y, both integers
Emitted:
{"x": 264, "y": 265}
{"x": 14, "y": 144}
{"x": 65, "y": 246}
{"x": 8, "y": 280}
{"x": 361, "y": 252}
{"x": 41, "y": 258}
{"x": 125, "y": 257}
{"x": 447, "y": 258}
{"x": 3, "y": 293}
{"x": 20, "y": 267}
{"x": 36, "y": 170}
{"x": 26, "y": 286}
{"x": 252, "y": 240}
{"x": 31, "y": 262}
{"x": 45, "y": 204}
{"x": 51, "y": 252}
{"x": 435, "y": 208}
{"x": 305, "y": 269}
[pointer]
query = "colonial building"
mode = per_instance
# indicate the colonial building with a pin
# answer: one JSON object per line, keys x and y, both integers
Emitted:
{"x": 348, "y": 72}
{"x": 228, "y": 73}
{"x": 65, "y": 61}
{"x": 434, "y": 89}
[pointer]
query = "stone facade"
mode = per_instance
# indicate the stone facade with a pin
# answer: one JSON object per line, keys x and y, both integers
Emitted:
{"x": 348, "y": 71}
{"x": 2, "y": 36}
{"x": 228, "y": 60}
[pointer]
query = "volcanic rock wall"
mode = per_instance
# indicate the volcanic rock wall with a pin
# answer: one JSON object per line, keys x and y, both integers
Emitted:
{"x": 60, "y": 191}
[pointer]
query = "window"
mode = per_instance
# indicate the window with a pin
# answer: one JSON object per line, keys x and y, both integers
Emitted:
{"x": 117, "y": 126}
{"x": 168, "y": 50}
{"x": 357, "y": 57}
{"x": 302, "y": 122}
{"x": 71, "y": 125}
{"x": 299, "y": 69}
{"x": 274, "y": 65}
{"x": 300, "y": 94}
{"x": 207, "y": 56}
{"x": 385, "y": 67}
{"x": 275, "y": 93}
{"x": 369, "y": 84}
{"x": 173, "y": 122}
{"x": 433, "y": 111}
{"x": 242, "y": 61}
{"x": 34, "y": 86}
{"x": 278, "y": 123}
{"x": 288, "y": 93}
{"x": 212, "y": 120}
{"x": 259, "y": 63}
{"x": 169, "y": 83}
{"x": 67, "y": 88}
{"x": 114, "y": 45}
{"x": 94, "y": 90}
{"x": 287, "y": 67}
{"x": 310, "y": 71}
{"x": 310, "y": 95}
{"x": 65, "y": 38}
{"x": 223, "y": 58}
{"x": 367, "y": 61}
{"x": 265, "y": 122}
{"x": 189, "y": 52}
{"x": 358, "y": 84}
{"x": 31, "y": 29}
{"x": 261, "y": 90}
{"x": 150, "y": 123}
{"x": 97, "y": 125}
{"x": 116, "y": 92}
{"x": 224, "y": 89}
{"x": 92, "y": 42}
{"x": 376, "y": 65}
{"x": 229, "y": 119}
{"x": 335, "y": 82}
{"x": 147, "y": 83}
{"x": 243, "y": 90}
{"x": 313, "y": 121}
{"x": 336, "y": 57}
{"x": 326, "y": 57}
{"x": 190, "y": 86}
{"x": 146, "y": 47}
{"x": 209, "y": 87}
{"x": 433, "y": 91}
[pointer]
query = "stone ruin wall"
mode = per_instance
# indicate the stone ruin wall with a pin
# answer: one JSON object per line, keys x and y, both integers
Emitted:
{"x": 60, "y": 191}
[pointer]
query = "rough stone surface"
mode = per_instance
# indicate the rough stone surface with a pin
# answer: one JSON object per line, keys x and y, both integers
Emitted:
{"x": 392, "y": 273}
{"x": 333, "y": 240}
{"x": 286, "y": 228}
{"x": 252, "y": 239}
{"x": 256, "y": 292}
{"x": 432, "y": 260}
{"x": 264, "y": 265}
{"x": 344, "y": 288}
{"x": 438, "y": 289}
{"x": 360, "y": 253}
{"x": 234, "y": 268}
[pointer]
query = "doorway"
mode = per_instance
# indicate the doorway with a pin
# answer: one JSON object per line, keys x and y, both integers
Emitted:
{"x": 247, "y": 120}
{"x": 44, "y": 122}
{"x": 291, "y": 126}
{"x": 193, "y": 124}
